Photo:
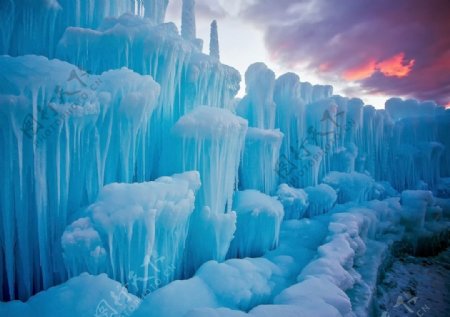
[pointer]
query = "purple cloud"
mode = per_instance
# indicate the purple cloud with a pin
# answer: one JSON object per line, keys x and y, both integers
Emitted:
{"x": 397, "y": 47}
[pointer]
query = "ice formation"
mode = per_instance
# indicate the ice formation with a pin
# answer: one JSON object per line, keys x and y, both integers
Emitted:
{"x": 351, "y": 186}
{"x": 258, "y": 106}
{"x": 259, "y": 164}
{"x": 60, "y": 129}
{"x": 214, "y": 41}
{"x": 284, "y": 203}
{"x": 295, "y": 201}
{"x": 139, "y": 243}
{"x": 211, "y": 141}
{"x": 321, "y": 199}
{"x": 99, "y": 293}
{"x": 155, "y": 10}
{"x": 258, "y": 224}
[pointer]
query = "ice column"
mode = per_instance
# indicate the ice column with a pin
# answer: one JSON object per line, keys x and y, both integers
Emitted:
{"x": 259, "y": 168}
{"x": 290, "y": 120}
{"x": 209, "y": 140}
{"x": 258, "y": 106}
{"x": 188, "y": 26}
{"x": 415, "y": 149}
{"x": 214, "y": 41}
{"x": 156, "y": 10}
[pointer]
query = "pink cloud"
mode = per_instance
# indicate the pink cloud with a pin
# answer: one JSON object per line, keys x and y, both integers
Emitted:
{"x": 396, "y": 66}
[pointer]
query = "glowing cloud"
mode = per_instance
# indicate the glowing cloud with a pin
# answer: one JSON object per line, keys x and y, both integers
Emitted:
{"x": 361, "y": 72}
{"x": 396, "y": 66}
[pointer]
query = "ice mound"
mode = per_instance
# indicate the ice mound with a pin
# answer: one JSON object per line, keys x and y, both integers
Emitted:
{"x": 295, "y": 201}
{"x": 258, "y": 224}
{"x": 136, "y": 233}
{"x": 321, "y": 199}
{"x": 354, "y": 186}
{"x": 85, "y": 295}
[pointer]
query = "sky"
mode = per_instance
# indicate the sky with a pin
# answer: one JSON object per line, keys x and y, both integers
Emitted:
{"x": 368, "y": 49}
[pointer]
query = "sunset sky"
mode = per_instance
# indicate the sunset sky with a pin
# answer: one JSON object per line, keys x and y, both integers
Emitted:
{"x": 367, "y": 49}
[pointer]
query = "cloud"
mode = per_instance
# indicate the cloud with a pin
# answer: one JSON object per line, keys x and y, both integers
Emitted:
{"x": 360, "y": 72}
{"x": 397, "y": 47}
{"x": 395, "y": 66}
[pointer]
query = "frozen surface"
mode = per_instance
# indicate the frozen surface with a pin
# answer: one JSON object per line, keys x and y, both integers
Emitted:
{"x": 415, "y": 285}
{"x": 326, "y": 266}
